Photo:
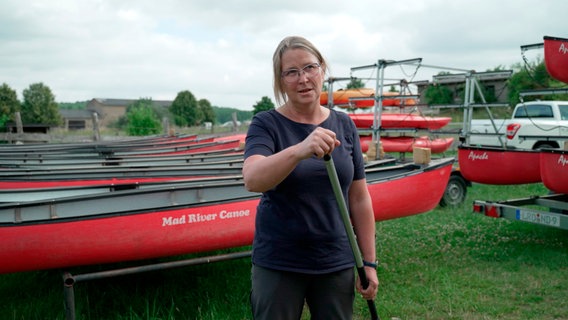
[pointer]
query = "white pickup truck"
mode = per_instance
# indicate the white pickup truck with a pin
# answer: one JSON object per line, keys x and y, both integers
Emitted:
{"x": 534, "y": 125}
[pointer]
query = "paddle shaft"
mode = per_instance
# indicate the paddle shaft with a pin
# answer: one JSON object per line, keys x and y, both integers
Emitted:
{"x": 332, "y": 172}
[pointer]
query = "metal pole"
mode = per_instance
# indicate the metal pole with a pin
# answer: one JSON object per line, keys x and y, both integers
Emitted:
{"x": 543, "y": 92}
{"x": 330, "y": 82}
{"x": 330, "y": 94}
{"x": 70, "y": 280}
{"x": 532, "y": 46}
{"x": 377, "y": 113}
{"x": 331, "y": 171}
{"x": 69, "y": 298}
{"x": 442, "y": 67}
{"x": 377, "y": 118}
{"x": 466, "y": 111}
{"x": 476, "y": 84}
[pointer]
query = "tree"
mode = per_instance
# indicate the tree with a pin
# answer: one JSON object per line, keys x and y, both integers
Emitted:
{"x": 206, "y": 110}
{"x": 142, "y": 118}
{"x": 437, "y": 94}
{"x": 185, "y": 110}
{"x": 355, "y": 83}
{"x": 9, "y": 104}
{"x": 39, "y": 106}
{"x": 533, "y": 76}
{"x": 224, "y": 114}
{"x": 264, "y": 104}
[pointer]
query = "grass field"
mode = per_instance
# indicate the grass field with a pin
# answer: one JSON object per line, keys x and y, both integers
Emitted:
{"x": 446, "y": 264}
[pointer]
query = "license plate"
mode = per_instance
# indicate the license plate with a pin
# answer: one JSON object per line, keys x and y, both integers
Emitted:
{"x": 538, "y": 217}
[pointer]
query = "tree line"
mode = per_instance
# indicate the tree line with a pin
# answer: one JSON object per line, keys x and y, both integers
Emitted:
{"x": 38, "y": 106}
{"x": 143, "y": 117}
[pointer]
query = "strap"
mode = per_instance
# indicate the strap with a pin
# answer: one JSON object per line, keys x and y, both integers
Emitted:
{"x": 373, "y": 265}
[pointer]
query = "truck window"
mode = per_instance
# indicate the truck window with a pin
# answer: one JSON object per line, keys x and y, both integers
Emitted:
{"x": 563, "y": 111}
{"x": 534, "y": 111}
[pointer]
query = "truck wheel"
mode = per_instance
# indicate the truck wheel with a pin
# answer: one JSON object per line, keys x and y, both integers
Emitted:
{"x": 455, "y": 193}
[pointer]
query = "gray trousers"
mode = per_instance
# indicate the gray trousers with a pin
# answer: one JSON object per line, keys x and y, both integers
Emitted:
{"x": 280, "y": 295}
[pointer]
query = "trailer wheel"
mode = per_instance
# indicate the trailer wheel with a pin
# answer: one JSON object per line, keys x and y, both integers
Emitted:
{"x": 455, "y": 192}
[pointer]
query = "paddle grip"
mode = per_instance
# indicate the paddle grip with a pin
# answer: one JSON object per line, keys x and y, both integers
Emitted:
{"x": 365, "y": 284}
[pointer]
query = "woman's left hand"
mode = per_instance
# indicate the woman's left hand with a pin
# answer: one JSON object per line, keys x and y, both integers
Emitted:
{"x": 371, "y": 292}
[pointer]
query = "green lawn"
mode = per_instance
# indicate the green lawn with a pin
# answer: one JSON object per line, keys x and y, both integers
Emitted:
{"x": 446, "y": 264}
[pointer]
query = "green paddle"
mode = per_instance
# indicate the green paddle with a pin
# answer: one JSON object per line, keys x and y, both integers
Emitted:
{"x": 332, "y": 172}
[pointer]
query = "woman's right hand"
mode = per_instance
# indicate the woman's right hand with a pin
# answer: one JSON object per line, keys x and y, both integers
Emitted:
{"x": 262, "y": 173}
{"x": 319, "y": 143}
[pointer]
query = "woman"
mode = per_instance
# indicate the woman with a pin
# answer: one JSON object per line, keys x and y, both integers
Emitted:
{"x": 301, "y": 253}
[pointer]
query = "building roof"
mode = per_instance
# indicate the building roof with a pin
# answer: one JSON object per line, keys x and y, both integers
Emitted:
{"x": 126, "y": 102}
{"x": 75, "y": 114}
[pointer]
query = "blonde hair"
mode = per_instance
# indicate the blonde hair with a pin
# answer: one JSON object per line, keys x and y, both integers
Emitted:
{"x": 291, "y": 42}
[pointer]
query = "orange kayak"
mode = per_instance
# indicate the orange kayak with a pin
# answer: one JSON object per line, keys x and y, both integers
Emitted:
{"x": 363, "y": 98}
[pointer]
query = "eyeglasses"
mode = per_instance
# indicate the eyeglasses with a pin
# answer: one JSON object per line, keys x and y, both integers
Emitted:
{"x": 293, "y": 75}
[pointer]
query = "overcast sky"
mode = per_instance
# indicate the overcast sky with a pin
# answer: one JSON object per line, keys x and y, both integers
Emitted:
{"x": 222, "y": 50}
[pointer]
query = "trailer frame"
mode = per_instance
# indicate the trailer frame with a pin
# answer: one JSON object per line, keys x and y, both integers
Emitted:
{"x": 548, "y": 210}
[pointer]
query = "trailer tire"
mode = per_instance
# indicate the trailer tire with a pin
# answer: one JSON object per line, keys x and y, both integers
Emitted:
{"x": 455, "y": 192}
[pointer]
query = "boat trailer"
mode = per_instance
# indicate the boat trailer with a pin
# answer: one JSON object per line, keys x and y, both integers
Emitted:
{"x": 550, "y": 210}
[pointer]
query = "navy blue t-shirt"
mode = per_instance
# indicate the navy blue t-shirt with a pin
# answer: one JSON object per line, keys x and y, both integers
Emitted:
{"x": 298, "y": 223}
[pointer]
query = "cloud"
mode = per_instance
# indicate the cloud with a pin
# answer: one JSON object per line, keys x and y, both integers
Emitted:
{"x": 222, "y": 52}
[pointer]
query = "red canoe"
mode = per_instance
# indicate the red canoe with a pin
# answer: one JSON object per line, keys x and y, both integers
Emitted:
{"x": 114, "y": 183}
{"x": 556, "y": 57}
{"x": 554, "y": 169}
{"x": 400, "y": 120}
{"x": 124, "y": 148}
{"x": 406, "y": 144}
{"x": 189, "y": 148}
{"x": 492, "y": 165}
{"x": 364, "y": 98}
{"x": 166, "y": 221}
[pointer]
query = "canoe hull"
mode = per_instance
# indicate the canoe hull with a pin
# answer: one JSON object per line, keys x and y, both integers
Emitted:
{"x": 414, "y": 194}
{"x": 499, "y": 166}
{"x": 556, "y": 57}
{"x": 169, "y": 231}
{"x": 406, "y": 144}
{"x": 127, "y": 238}
{"x": 554, "y": 170}
{"x": 400, "y": 120}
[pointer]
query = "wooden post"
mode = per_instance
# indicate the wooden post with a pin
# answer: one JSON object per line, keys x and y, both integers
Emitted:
{"x": 373, "y": 153}
{"x": 96, "y": 132}
{"x": 166, "y": 126}
{"x": 19, "y": 125}
{"x": 19, "y": 128}
{"x": 234, "y": 118}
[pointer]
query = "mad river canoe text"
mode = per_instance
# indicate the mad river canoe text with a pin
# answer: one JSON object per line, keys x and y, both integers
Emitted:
{"x": 198, "y": 217}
